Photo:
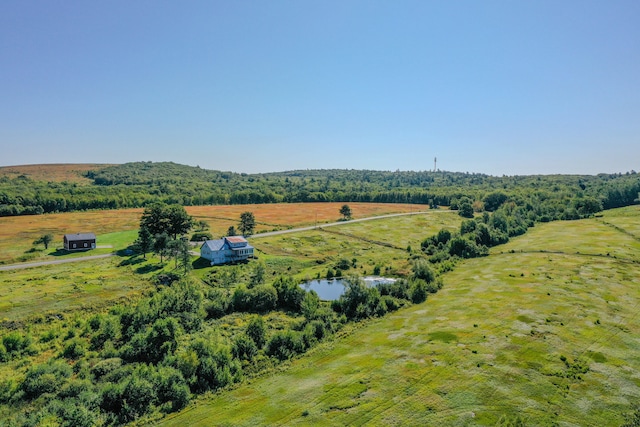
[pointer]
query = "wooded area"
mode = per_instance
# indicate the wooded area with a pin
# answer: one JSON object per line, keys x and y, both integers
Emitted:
{"x": 142, "y": 183}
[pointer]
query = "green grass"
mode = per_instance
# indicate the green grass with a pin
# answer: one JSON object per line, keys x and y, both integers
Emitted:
{"x": 64, "y": 288}
{"x": 311, "y": 253}
{"x": 507, "y": 336}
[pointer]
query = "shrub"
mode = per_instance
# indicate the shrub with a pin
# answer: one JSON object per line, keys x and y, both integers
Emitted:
{"x": 258, "y": 299}
{"x": 244, "y": 348}
{"x": 74, "y": 349}
{"x": 418, "y": 291}
{"x": 213, "y": 367}
{"x": 218, "y": 304}
{"x": 14, "y": 343}
{"x": 257, "y": 331}
{"x": 285, "y": 344}
{"x": 343, "y": 264}
{"x": 358, "y": 301}
{"x": 46, "y": 378}
{"x": 106, "y": 366}
{"x": 465, "y": 248}
{"x": 138, "y": 395}
{"x": 290, "y": 295}
{"x": 421, "y": 270}
{"x": 201, "y": 236}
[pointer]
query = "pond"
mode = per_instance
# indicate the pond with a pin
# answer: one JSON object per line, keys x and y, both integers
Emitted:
{"x": 329, "y": 290}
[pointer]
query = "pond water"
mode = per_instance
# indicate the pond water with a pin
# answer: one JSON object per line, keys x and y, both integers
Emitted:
{"x": 329, "y": 290}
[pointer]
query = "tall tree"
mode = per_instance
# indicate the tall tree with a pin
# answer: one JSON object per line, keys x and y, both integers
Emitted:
{"x": 345, "y": 211}
{"x": 231, "y": 231}
{"x": 247, "y": 223}
{"x": 160, "y": 218}
{"x": 161, "y": 245}
{"x": 154, "y": 219}
{"x": 180, "y": 222}
{"x": 179, "y": 250}
{"x": 144, "y": 241}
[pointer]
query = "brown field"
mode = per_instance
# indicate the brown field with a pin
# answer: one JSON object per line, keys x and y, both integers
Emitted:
{"x": 18, "y": 233}
{"x": 70, "y": 172}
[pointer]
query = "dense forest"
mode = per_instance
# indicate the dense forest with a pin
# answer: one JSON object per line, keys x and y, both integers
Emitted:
{"x": 142, "y": 183}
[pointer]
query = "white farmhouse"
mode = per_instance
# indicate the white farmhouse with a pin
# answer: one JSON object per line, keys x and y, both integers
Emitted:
{"x": 226, "y": 250}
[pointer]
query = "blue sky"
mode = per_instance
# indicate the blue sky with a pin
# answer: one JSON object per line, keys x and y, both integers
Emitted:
{"x": 497, "y": 87}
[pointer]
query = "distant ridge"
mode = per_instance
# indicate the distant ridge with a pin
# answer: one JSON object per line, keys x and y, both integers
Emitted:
{"x": 54, "y": 172}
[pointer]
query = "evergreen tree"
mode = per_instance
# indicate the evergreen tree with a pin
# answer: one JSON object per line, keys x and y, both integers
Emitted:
{"x": 247, "y": 223}
{"x": 145, "y": 241}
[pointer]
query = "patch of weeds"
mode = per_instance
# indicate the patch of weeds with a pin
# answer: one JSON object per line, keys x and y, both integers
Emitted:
{"x": 446, "y": 337}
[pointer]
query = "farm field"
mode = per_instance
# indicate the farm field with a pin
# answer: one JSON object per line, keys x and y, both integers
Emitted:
{"x": 546, "y": 338}
{"x": 17, "y": 233}
{"x": 380, "y": 243}
{"x": 71, "y": 286}
{"x": 72, "y": 172}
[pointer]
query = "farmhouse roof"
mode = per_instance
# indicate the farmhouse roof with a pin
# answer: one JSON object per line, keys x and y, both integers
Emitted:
{"x": 236, "y": 239}
{"x": 214, "y": 245}
{"x": 220, "y": 244}
{"x": 80, "y": 236}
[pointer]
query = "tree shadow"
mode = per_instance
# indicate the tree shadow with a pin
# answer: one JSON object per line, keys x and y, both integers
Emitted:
{"x": 148, "y": 268}
{"x": 61, "y": 252}
{"x": 201, "y": 263}
{"x": 131, "y": 261}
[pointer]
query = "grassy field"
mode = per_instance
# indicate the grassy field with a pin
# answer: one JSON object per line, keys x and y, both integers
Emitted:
{"x": 546, "y": 337}
{"x": 67, "y": 287}
{"x": 64, "y": 288}
{"x": 18, "y": 233}
{"x": 53, "y": 172}
{"x": 381, "y": 243}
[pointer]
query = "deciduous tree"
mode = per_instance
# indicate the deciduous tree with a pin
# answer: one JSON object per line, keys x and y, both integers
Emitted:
{"x": 45, "y": 240}
{"x": 345, "y": 211}
{"x": 172, "y": 220}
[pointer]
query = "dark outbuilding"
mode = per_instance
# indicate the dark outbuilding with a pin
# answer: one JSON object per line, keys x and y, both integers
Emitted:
{"x": 79, "y": 241}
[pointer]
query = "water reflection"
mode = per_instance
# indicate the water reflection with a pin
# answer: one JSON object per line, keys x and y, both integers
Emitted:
{"x": 329, "y": 290}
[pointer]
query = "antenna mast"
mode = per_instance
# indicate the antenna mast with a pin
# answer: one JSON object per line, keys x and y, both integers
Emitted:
{"x": 435, "y": 162}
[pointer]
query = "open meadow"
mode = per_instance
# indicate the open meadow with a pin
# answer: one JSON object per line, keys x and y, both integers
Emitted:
{"x": 72, "y": 172}
{"x": 542, "y": 338}
{"x": 66, "y": 287}
{"x": 17, "y": 233}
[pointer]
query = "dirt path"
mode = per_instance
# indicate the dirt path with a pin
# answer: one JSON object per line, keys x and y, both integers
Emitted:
{"x": 53, "y": 262}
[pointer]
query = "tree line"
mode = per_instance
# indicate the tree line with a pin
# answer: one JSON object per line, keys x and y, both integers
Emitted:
{"x": 143, "y": 183}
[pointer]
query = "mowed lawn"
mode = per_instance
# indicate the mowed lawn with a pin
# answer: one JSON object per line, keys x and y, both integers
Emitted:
{"x": 18, "y": 233}
{"x": 550, "y": 338}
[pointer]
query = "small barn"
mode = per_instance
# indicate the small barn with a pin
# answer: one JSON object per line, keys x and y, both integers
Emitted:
{"x": 226, "y": 250}
{"x": 79, "y": 241}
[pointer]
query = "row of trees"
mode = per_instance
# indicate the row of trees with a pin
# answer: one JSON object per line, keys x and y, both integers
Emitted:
{"x": 144, "y": 183}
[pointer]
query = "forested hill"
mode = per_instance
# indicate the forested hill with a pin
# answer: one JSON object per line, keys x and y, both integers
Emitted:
{"x": 137, "y": 184}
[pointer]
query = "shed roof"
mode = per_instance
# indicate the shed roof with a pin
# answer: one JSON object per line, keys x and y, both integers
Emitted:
{"x": 80, "y": 236}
